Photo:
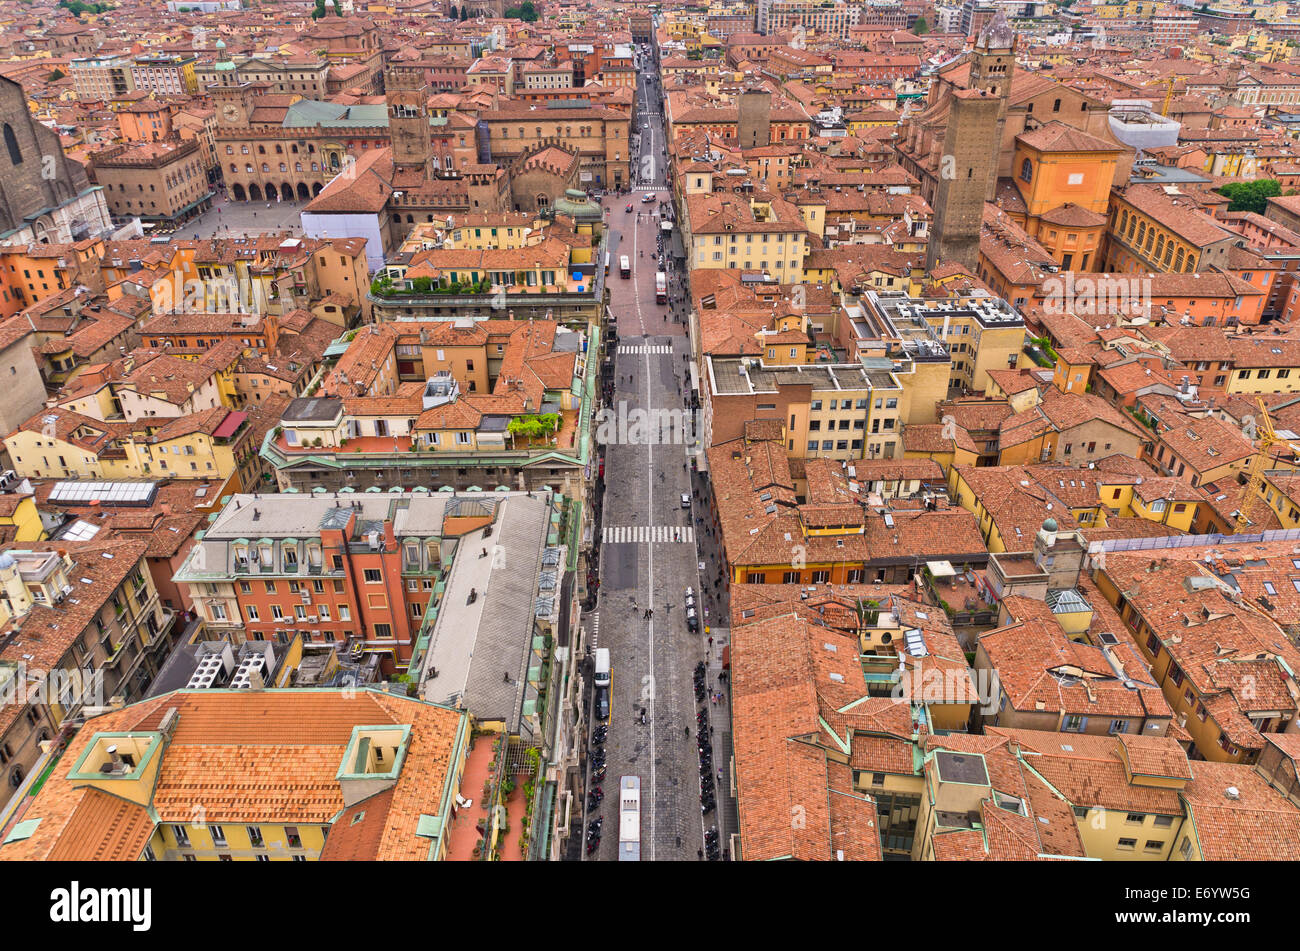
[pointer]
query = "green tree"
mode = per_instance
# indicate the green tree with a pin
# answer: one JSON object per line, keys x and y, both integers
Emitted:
{"x": 319, "y": 12}
{"x": 525, "y": 11}
{"x": 1250, "y": 196}
{"x": 920, "y": 28}
{"x": 57, "y": 75}
{"x": 532, "y": 427}
{"x": 464, "y": 14}
{"x": 337, "y": 11}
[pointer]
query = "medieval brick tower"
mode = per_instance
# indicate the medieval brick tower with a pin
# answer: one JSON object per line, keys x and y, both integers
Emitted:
{"x": 968, "y": 168}
{"x": 407, "y": 96}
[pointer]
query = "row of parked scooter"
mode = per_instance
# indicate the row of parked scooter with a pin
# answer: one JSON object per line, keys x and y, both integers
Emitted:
{"x": 708, "y": 795}
{"x": 596, "y": 793}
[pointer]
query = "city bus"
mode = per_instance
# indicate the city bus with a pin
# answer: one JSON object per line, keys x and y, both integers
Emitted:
{"x": 629, "y": 819}
{"x": 607, "y": 264}
{"x": 661, "y": 287}
{"x": 624, "y": 266}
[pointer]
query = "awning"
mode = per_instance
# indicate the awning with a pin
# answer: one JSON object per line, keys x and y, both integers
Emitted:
{"x": 941, "y": 569}
{"x": 230, "y": 424}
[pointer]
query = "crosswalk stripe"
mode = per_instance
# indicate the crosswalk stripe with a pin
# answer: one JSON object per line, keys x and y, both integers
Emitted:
{"x": 647, "y": 534}
{"x": 641, "y": 349}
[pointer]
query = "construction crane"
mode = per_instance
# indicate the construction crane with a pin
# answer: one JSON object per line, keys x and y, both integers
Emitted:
{"x": 1169, "y": 94}
{"x": 1268, "y": 438}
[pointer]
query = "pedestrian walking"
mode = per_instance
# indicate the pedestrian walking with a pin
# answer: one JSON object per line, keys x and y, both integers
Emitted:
{"x": 700, "y": 853}
{"x": 687, "y": 731}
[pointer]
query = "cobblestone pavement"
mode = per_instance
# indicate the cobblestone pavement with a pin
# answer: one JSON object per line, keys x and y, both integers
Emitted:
{"x": 238, "y": 219}
{"x": 652, "y": 657}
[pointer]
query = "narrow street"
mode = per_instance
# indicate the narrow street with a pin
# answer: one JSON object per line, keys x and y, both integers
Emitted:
{"x": 651, "y": 543}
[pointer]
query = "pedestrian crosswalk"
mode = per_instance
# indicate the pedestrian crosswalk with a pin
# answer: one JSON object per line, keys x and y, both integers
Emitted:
{"x": 644, "y": 534}
{"x": 647, "y": 348}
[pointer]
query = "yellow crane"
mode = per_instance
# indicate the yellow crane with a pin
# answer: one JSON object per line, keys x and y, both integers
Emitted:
{"x": 1267, "y": 438}
{"x": 1169, "y": 94}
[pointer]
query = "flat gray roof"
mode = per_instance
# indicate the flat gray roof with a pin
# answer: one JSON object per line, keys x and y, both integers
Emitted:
{"x": 482, "y": 651}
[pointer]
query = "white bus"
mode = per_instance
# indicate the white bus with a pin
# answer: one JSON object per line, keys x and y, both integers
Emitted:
{"x": 624, "y": 266}
{"x": 629, "y": 819}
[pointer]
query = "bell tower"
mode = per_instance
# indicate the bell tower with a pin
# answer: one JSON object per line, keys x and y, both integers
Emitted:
{"x": 972, "y": 147}
{"x": 993, "y": 62}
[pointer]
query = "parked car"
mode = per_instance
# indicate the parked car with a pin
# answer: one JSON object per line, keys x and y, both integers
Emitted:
{"x": 686, "y": 501}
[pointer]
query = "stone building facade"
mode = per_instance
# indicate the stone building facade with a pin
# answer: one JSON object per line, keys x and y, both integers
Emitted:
{"x": 45, "y": 197}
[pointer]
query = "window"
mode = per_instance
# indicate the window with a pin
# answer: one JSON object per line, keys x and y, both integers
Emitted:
{"x": 1135, "y": 818}
{"x": 181, "y": 836}
{"x": 1127, "y": 845}
{"x": 292, "y": 837}
{"x": 254, "y": 836}
{"x": 383, "y": 631}
{"x": 372, "y": 576}
{"x": 1154, "y": 845}
{"x": 218, "y": 835}
{"x": 1074, "y": 723}
{"x": 1163, "y": 822}
{"x": 11, "y": 143}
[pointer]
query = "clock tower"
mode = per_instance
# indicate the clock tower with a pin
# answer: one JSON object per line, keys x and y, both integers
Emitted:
{"x": 234, "y": 104}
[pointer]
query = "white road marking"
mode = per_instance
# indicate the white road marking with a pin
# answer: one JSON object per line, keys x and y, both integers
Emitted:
{"x": 632, "y": 348}
{"x": 648, "y": 534}
{"x": 649, "y": 594}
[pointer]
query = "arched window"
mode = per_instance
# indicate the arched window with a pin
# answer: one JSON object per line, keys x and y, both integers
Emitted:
{"x": 11, "y": 143}
{"x": 1027, "y": 170}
